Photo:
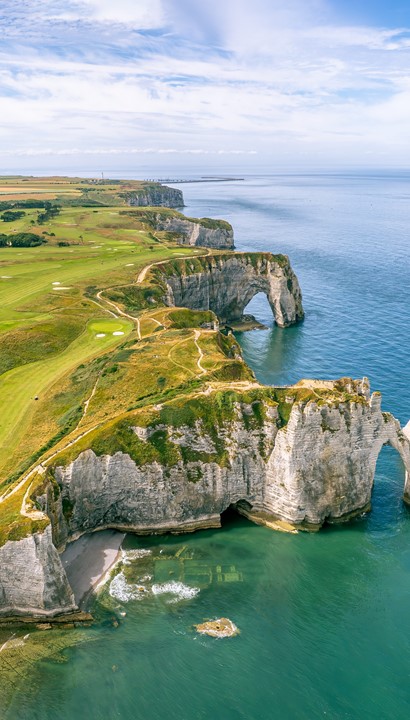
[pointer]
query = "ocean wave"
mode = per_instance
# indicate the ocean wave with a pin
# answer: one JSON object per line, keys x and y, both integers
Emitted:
{"x": 129, "y": 555}
{"x": 178, "y": 589}
{"x": 124, "y": 591}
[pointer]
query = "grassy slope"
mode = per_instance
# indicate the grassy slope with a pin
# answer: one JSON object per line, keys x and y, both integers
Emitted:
{"x": 46, "y": 333}
{"x": 49, "y": 347}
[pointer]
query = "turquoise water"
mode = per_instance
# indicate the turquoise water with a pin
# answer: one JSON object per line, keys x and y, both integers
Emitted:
{"x": 324, "y": 619}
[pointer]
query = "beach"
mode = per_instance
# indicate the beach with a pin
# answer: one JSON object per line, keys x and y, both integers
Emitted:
{"x": 88, "y": 560}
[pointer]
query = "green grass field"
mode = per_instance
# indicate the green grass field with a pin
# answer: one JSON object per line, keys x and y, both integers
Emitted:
{"x": 49, "y": 316}
{"x": 88, "y": 348}
{"x": 20, "y": 386}
{"x": 77, "y": 348}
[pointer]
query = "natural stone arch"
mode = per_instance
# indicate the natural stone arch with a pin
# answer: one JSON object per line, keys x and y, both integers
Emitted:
{"x": 261, "y": 306}
{"x": 326, "y": 461}
{"x": 398, "y": 442}
{"x": 226, "y": 284}
{"x": 399, "y": 439}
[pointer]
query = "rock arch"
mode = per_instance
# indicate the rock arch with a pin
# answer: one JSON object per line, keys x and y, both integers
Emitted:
{"x": 226, "y": 284}
{"x": 327, "y": 458}
{"x": 317, "y": 467}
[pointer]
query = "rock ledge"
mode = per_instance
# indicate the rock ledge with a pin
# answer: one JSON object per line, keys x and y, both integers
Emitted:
{"x": 221, "y": 628}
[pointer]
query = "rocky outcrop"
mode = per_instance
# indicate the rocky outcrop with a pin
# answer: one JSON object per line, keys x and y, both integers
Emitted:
{"x": 154, "y": 195}
{"x": 204, "y": 232}
{"x": 32, "y": 578}
{"x": 319, "y": 467}
{"x": 221, "y": 628}
{"x": 326, "y": 461}
{"x": 226, "y": 284}
{"x": 290, "y": 458}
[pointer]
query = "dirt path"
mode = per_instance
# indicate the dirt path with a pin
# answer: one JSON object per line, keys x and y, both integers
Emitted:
{"x": 121, "y": 312}
{"x": 41, "y": 467}
{"x": 197, "y": 335}
{"x": 104, "y": 308}
{"x": 169, "y": 356}
{"x": 87, "y": 402}
{"x": 140, "y": 279}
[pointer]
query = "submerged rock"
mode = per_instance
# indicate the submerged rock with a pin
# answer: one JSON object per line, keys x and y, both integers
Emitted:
{"x": 221, "y": 628}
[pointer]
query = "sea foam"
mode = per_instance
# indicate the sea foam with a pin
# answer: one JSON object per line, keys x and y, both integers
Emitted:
{"x": 178, "y": 589}
{"x": 121, "y": 590}
{"x": 129, "y": 555}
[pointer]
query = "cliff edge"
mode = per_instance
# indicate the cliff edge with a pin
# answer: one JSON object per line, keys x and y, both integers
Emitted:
{"x": 226, "y": 283}
{"x": 289, "y": 458}
{"x": 154, "y": 195}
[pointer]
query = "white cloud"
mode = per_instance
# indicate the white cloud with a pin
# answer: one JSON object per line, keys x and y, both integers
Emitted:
{"x": 207, "y": 78}
{"x": 141, "y": 13}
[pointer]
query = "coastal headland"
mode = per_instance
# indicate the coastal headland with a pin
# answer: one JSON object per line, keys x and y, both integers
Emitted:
{"x": 124, "y": 404}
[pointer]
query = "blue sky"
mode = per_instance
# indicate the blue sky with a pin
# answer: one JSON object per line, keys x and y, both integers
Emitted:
{"x": 204, "y": 83}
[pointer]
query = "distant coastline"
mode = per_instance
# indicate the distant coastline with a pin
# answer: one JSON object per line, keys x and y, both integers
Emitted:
{"x": 204, "y": 179}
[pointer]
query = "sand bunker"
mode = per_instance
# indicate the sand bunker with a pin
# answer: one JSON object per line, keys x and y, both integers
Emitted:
{"x": 119, "y": 332}
{"x": 130, "y": 265}
{"x": 61, "y": 288}
{"x": 56, "y": 283}
{"x": 6, "y": 277}
{"x": 100, "y": 335}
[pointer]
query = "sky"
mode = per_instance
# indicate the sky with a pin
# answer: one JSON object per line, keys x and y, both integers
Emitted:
{"x": 245, "y": 85}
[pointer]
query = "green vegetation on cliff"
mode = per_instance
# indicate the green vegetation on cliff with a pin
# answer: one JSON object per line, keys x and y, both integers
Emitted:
{"x": 205, "y": 263}
{"x": 208, "y": 414}
{"x": 152, "y": 217}
{"x": 89, "y": 351}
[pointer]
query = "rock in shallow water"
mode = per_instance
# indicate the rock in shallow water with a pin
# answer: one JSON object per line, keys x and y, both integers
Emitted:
{"x": 221, "y": 628}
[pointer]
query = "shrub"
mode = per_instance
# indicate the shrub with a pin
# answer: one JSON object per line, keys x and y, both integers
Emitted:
{"x": 21, "y": 240}
{"x": 11, "y": 215}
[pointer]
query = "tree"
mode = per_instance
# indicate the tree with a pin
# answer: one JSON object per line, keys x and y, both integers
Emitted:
{"x": 11, "y": 215}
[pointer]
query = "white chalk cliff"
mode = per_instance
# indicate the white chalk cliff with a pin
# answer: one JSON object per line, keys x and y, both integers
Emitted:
{"x": 295, "y": 462}
{"x": 226, "y": 283}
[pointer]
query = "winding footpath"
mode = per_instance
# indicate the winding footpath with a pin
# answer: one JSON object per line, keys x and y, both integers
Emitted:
{"x": 40, "y": 468}
{"x": 197, "y": 335}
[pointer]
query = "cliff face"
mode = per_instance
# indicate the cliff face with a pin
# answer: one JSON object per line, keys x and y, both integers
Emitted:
{"x": 206, "y": 233}
{"x": 326, "y": 461}
{"x": 291, "y": 456}
{"x": 155, "y": 195}
{"x": 32, "y": 579}
{"x": 226, "y": 284}
{"x": 319, "y": 466}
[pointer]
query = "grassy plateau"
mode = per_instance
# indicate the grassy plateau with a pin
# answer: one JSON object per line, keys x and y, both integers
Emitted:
{"x": 87, "y": 345}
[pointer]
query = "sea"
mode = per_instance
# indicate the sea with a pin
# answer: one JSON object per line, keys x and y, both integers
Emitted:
{"x": 324, "y": 618}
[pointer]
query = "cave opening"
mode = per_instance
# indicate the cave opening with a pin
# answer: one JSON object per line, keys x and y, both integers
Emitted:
{"x": 235, "y": 512}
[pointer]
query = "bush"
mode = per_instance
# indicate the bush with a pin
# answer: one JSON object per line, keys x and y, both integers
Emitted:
{"x": 11, "y": 215}
{"x": 21, "y": 240}
{"x": 13, "y": 204}
{"x": 50, "y": 211}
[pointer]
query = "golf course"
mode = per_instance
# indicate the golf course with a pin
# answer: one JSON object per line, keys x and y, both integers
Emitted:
{"x": 78, "y": 348}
